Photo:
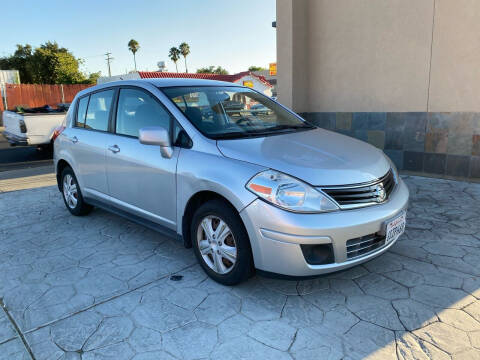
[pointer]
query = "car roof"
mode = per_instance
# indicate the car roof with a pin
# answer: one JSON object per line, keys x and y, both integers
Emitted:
{"x": 161, "y": 83}
{"x": 166, "y": 82}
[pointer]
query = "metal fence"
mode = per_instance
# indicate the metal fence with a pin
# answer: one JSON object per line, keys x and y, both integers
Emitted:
{"x": 35, "y": 95}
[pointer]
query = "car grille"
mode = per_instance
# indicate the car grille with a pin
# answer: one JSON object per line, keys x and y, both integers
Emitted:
{"x": 364, "y": 245}
{"x": 353, "y": 196}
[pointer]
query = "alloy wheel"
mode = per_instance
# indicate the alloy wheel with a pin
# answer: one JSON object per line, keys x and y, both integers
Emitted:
{"x": 70, "y": 191}
{"x": 216, "y": 244}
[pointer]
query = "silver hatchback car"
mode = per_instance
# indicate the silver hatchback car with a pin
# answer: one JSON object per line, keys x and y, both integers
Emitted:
{"x": 247, "y": 188}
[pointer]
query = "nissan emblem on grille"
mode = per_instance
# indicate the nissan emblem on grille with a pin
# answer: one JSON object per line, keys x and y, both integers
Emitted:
{"x": 366, "y": 194}
{"x": 380, "y": 193}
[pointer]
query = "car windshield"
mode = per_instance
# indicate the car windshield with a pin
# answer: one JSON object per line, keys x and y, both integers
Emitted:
{"x": 229, "y": 112}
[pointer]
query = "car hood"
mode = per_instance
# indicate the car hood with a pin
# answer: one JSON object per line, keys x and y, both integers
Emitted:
{"x": 318, "y": 157}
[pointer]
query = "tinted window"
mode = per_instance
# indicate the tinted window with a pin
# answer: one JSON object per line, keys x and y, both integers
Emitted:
{"x": 99, "y": 110}
{"x": 138, "y": 109}
{"x": 81, "y": 111}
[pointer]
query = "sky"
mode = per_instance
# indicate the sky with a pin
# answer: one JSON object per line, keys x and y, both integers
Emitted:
{"x": 232, "y": 34}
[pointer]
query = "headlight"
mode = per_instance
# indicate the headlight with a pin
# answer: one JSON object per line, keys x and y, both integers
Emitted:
{"x": 289, "y": 193}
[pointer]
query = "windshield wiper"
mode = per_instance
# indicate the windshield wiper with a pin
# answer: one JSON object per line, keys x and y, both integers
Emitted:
{"x": 286, "y": 127}
{"x": 260, "y": 132}
{"x": 231, "y": 135}
{"x": 282, "y": 129}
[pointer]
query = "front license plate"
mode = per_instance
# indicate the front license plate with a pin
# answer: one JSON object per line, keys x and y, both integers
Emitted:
{"x": 395, "y": 228}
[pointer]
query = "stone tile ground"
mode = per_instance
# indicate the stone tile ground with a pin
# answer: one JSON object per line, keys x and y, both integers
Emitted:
{"x": 99, "y": 287}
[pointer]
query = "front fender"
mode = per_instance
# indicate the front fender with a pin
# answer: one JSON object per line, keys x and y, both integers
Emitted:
{"x": 199, "y": 171}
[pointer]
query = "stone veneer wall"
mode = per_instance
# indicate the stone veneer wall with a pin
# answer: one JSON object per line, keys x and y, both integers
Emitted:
{"x": 439, "y": 144}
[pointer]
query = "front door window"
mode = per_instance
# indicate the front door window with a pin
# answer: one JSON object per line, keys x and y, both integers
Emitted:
{"x": 136, "y": 110}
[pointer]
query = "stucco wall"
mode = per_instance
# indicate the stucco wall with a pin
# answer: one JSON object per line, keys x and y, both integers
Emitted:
{"x": 377, "y": 55}
{"x": 455, "y": 72}
{"x": 291, "y": 54}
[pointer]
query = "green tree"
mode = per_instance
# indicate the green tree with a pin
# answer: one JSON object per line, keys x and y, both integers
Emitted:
{"x": 184, "y": 50}
{"x": 92, "y": 78}
{"x": 256, "y": 68}
{"x": 174, "y": 55}
{"x": 212, "y": 70}
{"x": 47, "y": 64}
{"x": 134, "y": 46}
{"x": 52, "y": 64}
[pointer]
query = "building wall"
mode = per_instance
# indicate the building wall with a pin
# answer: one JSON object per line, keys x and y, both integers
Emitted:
{"x": 134, "y": 75}
{"x": 272, "y": 79}
{"x": 438, "y": 144}
{"x": 348, "y": 64}
{"x": 291, "y": 45}
{"x": 257, "y": 84}
{"x": 372, "y": 56}
{"x": 455, "y": 61}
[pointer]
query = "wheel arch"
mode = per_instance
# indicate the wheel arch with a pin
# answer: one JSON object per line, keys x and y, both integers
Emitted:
{"x": 61, "y": 165}
{"x": 195, "y": 201}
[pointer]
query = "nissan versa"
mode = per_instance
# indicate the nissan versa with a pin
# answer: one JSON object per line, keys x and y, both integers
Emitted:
{"x": 245, "y": 181}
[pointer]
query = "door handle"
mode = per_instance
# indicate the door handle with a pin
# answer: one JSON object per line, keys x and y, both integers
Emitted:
{"x": 74, "y": 139}
{"x": 114, "y": 148}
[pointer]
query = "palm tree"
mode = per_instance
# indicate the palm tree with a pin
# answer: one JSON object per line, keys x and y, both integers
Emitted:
{"x": 133, "y": 46}
{"x": 174, "y": 55}
{"x": 184, "y": 50}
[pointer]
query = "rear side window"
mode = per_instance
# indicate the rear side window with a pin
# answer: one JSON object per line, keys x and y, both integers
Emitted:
{"x": 138, "y": 109}
{"x": 99, "y": 110}
{"x": 81, "y": 111}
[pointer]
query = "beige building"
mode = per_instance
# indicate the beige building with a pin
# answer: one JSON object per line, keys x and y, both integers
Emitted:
{"x": 401, "y": 74}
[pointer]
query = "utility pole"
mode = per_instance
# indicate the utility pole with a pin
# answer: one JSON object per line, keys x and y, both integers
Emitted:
{"x": 108, "y": 62}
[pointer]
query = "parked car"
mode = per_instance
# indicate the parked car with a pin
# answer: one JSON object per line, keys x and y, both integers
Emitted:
{"x": 281, "y": 196}
{"x": 232, "y": 105}
{"x": 33, "y": 127}
{"x": 260, "y": 109}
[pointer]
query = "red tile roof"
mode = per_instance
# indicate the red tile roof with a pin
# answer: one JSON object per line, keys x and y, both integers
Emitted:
{"x": 229, "y": 78}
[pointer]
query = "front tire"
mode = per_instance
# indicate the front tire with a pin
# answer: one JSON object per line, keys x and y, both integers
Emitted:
{"x": 72, "y": 196}
{"x": 221, "y": 243}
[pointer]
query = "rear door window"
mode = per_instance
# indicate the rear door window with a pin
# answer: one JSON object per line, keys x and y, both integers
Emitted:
{"x": 98, "y": 111}
{"x": 138, "y": 109}
{"x": 81, "y": 111}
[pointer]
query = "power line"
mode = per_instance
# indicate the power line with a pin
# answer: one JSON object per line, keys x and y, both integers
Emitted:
{"x": 92, "y": 56}
{"x": 108, "y": 62}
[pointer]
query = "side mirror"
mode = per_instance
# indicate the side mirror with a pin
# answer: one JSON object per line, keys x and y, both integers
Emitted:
{"x": 156, "y": 135}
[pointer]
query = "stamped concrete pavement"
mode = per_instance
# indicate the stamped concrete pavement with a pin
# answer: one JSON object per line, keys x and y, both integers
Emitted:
{"x": 100, "y": 287}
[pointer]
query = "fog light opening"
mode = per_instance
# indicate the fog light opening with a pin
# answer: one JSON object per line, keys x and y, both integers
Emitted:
{"x": 318, "y": 254}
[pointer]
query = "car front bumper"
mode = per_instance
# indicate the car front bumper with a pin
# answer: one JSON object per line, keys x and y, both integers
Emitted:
{"x": 276, "y": 234}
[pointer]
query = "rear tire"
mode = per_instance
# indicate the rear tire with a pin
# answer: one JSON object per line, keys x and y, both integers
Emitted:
{"x": 72, "y": 195}
{"x": 221, "y": 243}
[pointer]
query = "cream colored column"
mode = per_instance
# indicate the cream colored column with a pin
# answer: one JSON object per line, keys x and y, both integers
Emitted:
{"x": 292, "y": 53}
